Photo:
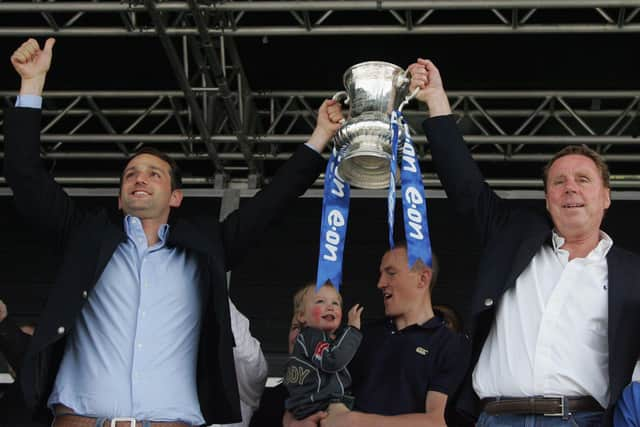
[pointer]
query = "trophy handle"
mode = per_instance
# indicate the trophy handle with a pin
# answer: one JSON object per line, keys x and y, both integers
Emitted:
{"x": 404, "y": 79}
{"x": 342, "y": 97}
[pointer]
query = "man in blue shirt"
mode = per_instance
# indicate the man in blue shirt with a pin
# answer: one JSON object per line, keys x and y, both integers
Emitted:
{"x": 137, "y": 323}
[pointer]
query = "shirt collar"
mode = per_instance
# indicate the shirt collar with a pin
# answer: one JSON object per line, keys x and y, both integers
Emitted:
{"x": 600, "y": 251}
{"x": 133, "y": 228}
{"x": 433, "y": 323}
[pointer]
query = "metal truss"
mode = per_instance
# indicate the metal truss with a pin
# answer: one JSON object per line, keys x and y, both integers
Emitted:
{"x": 504, "y": 129}
{"x": 322, "y": 17}
{"x": 225, "y": 134}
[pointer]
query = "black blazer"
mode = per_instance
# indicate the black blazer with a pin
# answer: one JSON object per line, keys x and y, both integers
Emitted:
{"x": 88, "y": 239}
{"x": 510, "y": 238}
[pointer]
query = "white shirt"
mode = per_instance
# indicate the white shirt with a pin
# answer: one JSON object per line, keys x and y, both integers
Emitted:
{"x": 251, "y": 367}
{"x": 550, "y": 330}
{"x": 636, "y": 372}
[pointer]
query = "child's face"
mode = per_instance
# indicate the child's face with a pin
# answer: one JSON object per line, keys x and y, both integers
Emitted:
{"x": 322, "y": 310}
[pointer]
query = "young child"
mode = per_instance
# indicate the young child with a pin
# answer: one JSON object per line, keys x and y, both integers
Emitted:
{"x": 316, "y": 372}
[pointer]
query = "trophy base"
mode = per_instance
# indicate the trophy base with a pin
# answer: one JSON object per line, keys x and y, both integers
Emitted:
{"x": 366, "y": 164}
{"x": 365, "y": 144}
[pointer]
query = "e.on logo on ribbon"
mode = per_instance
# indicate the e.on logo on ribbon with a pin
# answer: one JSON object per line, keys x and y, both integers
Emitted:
{"x": 335, "y": 220}
{"x": 409, "y": 161}
{"x": 413, "y": 197}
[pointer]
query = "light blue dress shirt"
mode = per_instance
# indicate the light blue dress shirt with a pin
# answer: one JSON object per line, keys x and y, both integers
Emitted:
{"x": 29, "y": 101}
{"x": 133, "y": 349}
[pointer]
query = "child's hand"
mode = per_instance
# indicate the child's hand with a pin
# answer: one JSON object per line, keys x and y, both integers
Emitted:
{"x": 354, "y": 315}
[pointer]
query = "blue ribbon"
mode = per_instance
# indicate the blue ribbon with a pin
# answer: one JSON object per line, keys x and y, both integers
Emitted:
{"x": 335, "y": 208}
{"x": 414, "y": 205}
{"x": 393, "y": 172}
{"x": 333, "y": 230}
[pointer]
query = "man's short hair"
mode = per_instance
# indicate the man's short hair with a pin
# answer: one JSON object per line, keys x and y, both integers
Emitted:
{"x": 174, "y": 170}
{"x": 581, "y": 150}
{"x": 419, "y": 265}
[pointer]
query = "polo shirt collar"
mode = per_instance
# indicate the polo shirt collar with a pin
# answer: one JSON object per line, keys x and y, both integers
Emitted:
{"x": 434, "y": 323}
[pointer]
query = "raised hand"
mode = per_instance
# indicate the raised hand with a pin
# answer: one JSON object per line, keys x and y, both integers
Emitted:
{"x": 426, "y": 76}
{"x": 329, "y": 119}
{"x": 32, "y": 64}
{"x": 354, "y": 315}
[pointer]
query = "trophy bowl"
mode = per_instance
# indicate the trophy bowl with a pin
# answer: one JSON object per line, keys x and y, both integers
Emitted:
{"x": 373, "y": 90}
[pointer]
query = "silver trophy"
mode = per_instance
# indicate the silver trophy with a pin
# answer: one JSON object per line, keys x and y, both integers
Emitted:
{"x": 373, "y": 90}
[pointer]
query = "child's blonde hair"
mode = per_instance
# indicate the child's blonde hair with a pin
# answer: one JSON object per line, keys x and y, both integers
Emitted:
{"x": 298, "y": 297}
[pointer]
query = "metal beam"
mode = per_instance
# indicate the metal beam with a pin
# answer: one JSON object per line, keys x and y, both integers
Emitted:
{"x": 501, "y": 128}
{"x": 313, "y": 5}
{"x": 327, "y": 30}
{"x": 313, "y": 18}
{"x": 167, "y": 44}
{"x": 218, "y": 75}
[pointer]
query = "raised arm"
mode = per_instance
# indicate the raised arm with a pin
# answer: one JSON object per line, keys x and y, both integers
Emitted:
{"x": 458, "y": 172}
{"x": 37, "y": 196}
{"x": 247, "y": 224}
{"x": 329, "y": 356}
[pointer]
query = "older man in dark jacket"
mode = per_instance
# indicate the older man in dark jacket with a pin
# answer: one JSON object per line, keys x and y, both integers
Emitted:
{"x": 556, "y": 302}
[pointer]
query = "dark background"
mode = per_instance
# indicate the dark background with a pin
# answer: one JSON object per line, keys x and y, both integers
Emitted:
{"x": 467, "y": 62}
{"x": 263, "y": 286}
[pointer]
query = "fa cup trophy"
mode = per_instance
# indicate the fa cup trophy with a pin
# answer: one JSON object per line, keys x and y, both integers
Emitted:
{"x": 373, "y": 90}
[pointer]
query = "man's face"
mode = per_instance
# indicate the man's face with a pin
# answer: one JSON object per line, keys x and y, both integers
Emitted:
{"x": 322, "y": 310}
{"x": 576, "y": 196}
{"x": 402, "y": 289}
{"x": 146, "y": 189}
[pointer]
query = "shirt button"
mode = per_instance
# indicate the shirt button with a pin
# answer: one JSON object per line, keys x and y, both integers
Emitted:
{"x": 60, "y": 330}
{"x": 488, "y": 302}
{"x": 84, "y": 294}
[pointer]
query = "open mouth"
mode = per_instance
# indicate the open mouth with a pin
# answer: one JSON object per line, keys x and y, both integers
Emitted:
{"x": 329, "y": 317}
{"x": 387, "y": 295}
{"x": 140, "y": 193}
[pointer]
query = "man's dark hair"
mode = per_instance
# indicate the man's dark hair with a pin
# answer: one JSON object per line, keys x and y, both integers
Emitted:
{"x": 419, "y": 265}
{"x": 581, "y": 150}
{"x": 176, "y": 175}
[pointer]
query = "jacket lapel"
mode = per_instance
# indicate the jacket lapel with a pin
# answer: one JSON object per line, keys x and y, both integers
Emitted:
{"x": 616, "y": 296}
{"x": 112, "y": 237}
{"x": 526, "y": 252}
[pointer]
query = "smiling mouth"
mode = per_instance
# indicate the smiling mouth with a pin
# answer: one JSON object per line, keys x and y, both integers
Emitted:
{"x": 386, "y": 296}
{"x": 329, "y": 317}
{"x": 573, "y": 205}
{"x": 140, "y": 193}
